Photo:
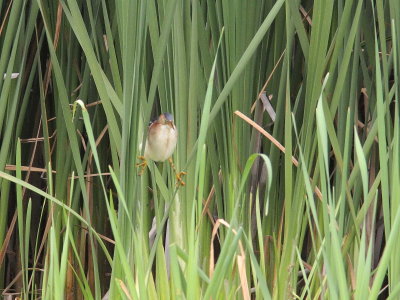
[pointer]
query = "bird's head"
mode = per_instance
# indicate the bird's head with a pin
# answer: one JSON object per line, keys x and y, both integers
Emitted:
{"x": 166, "y": 119}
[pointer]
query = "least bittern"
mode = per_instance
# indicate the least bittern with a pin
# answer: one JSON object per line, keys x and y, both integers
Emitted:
{"x": 161, "y": 141}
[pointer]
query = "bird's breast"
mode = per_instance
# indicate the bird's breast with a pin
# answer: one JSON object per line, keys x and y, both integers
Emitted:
{"x": 161, "y": 143}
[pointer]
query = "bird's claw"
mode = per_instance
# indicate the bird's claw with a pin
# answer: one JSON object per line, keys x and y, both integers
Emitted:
{"x": 179, "y": 181}
{"x": 142, "y": 165}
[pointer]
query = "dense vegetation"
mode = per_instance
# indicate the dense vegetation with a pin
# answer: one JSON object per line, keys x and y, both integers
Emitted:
{"x": 288, "y": 122}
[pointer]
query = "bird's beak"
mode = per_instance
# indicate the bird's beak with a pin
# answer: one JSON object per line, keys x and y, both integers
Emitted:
{"x": 171, "y": 124}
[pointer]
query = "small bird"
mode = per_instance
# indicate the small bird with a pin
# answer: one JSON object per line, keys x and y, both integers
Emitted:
{"x": 162, "y": 137}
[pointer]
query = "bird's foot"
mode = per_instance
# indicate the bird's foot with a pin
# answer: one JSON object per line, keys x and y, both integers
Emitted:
{"x": 142, "y": 165}
{"x": 179, "y": 181}
{"x": 179, "y": 176}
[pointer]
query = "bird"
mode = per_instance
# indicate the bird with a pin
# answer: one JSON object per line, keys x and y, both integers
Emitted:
{"x": 162, "y": 137}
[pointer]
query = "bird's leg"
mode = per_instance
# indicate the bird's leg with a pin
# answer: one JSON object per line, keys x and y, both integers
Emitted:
{"x": 142, "y": 165}
{"x": 177, "y": 175}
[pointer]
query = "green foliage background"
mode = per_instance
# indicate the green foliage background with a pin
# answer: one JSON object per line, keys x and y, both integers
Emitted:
{"x": 304, "y": 206}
